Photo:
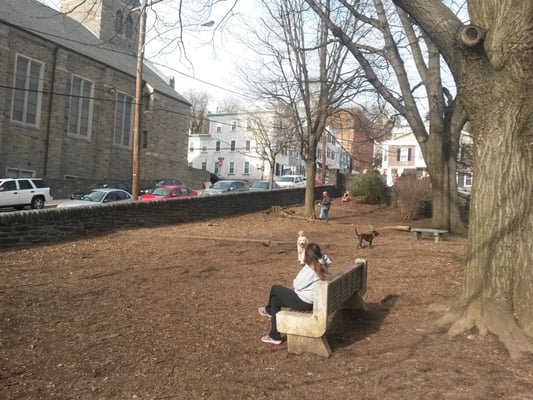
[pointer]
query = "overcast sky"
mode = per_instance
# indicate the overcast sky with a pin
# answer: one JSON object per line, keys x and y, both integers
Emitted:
{"x": 211, "y": 52}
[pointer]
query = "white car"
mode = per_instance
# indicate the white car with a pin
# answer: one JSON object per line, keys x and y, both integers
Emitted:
{"x": 22, "y": 192}
{"x": 290, "y": 181}
{"x": 99, "y": 196}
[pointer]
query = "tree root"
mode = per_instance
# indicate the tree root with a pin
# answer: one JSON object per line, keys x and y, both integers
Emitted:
{"x": 486, "y": 317}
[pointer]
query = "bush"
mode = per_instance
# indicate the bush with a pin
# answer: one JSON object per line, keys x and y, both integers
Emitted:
{"x": 370, "y": 188}
{"x": 410, "y": 193}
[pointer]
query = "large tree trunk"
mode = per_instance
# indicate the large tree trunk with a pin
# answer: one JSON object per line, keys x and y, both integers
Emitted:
{"x": 498, "y": 286}
{"x": 442, "y": 168}
{"x": 491, "y": 62}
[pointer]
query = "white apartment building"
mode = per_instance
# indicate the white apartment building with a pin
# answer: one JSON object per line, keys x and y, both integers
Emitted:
{"x": 234, "y": 150}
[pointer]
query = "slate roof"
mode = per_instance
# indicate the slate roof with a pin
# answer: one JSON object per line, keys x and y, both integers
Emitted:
{"x": 51, "y": 25}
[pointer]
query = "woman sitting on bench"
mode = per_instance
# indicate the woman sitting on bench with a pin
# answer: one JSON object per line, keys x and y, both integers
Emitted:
{"x": 300, "y": 298}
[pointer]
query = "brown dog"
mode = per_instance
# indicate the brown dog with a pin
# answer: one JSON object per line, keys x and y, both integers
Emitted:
{"x": 366, "y": 236}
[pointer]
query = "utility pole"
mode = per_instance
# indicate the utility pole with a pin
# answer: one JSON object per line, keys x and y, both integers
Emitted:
{"x": 138, "y": 102}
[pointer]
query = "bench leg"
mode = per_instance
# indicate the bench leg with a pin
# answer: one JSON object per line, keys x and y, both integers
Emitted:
{"x": 303, "y": 344}
{"x": 437, "y": 237}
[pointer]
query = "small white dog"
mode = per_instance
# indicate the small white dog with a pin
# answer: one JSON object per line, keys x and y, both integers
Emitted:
{"x": 300, "y": 246}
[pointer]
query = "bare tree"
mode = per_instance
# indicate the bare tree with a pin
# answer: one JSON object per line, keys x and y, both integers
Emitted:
{"x": 199, "y": 101}
{"x": 382, "y": 56}
{"x": 274, "y": 134}
{"x": 491, "y": 59}
{"x": 304, "y": 70}
{"x": 229, "y": 105}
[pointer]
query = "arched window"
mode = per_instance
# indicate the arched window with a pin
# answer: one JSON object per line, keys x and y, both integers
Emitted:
{"x": 129, "y": 27}
{"x": 118, "y": 22}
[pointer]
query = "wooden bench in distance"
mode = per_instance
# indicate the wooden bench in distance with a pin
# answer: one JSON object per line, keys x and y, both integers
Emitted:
{"x": 437, "y": 233}
{"x": 306, "y": 331}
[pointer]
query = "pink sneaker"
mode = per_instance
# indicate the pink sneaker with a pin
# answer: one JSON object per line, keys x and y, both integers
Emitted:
{"x": 268, "y": 339}
{"x": 263, "y": 312}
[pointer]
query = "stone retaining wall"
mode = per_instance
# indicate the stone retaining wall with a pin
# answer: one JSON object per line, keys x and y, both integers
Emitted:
{"x": 56, "y": 224}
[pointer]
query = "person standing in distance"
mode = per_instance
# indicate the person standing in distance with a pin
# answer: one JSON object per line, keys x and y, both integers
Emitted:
{"x": 324, "y": 207}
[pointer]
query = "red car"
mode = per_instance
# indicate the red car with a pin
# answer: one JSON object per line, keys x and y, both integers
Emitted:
{"x": 169, "y": 192}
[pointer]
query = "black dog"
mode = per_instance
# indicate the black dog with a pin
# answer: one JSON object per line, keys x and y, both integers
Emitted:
{"x": 366, "y": 236}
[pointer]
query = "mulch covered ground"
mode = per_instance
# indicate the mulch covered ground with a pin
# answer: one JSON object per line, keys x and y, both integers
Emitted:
{"x": 171, "y": 313}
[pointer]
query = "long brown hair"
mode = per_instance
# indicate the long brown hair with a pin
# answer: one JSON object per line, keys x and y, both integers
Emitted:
{"x": 312, "y": 257}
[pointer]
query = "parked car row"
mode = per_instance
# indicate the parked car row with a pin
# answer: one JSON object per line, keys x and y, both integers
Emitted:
{"x": 34, "y": 192}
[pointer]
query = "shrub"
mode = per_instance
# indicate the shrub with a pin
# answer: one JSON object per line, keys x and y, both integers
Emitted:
{"x": 410, "y": 193}
{"x": 370, "y": 188}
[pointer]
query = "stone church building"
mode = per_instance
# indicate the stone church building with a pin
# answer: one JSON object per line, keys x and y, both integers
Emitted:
{"x": 67, "y": 91}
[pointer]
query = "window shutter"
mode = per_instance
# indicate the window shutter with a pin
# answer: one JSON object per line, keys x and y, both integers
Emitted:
{"x": 409, "y": 154}
{"x": 398, "y": 154}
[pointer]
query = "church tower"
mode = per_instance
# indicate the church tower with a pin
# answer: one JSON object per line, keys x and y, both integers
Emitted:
{"x": 115, "y": 22}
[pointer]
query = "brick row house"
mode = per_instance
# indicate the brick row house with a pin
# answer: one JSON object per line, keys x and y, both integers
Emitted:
{"x": 67, "y": 91}
{"x": 354, "y": 133}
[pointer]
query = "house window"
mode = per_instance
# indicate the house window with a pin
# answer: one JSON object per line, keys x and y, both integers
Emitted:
{"x": 247, "y": 168}
{"x": 232, "y": 145}
{"x": 247, "y": 145}
{"x": 385, "y": 154}
{"x": 217, "y": 146}
{"x": 27, "y": 93}
{"x": 129, "y": 27}
{"x": 123, "y": 120}
{"x": 204, "y": 147}
{"x": 231, "y": 168}
{"x": 191, "y": 147}
{"x": 19, "y": 173}
{"x": 204, "y": 165}
{"x": 233, "y": 126}
{"x": 219, "y": 127}
{"x": 403, "y": 154}
{"x": 81, "y": 107}
{"x": 216, "y": 168}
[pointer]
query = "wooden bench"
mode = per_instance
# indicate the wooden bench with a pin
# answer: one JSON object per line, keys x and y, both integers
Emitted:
{"x": 437, "y": 233}
{"x": 306, "y": 331}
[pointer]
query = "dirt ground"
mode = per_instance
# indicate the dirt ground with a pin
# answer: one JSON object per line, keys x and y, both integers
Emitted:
{"x": 171, "y": 313}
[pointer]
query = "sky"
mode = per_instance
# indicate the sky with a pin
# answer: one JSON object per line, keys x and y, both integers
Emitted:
{"x": 211, "y": 52}
{"x": 209, "y": 58}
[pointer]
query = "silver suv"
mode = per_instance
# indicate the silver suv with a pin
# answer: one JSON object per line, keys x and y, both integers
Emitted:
{"x": 22, "y": 192}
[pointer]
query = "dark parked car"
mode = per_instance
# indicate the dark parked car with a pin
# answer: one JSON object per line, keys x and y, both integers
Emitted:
{"x": 264, "y": 185}
{"x": 226, "y": 186}
{"x": 152, "y": 185}
{"x": 106, "y": 185}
